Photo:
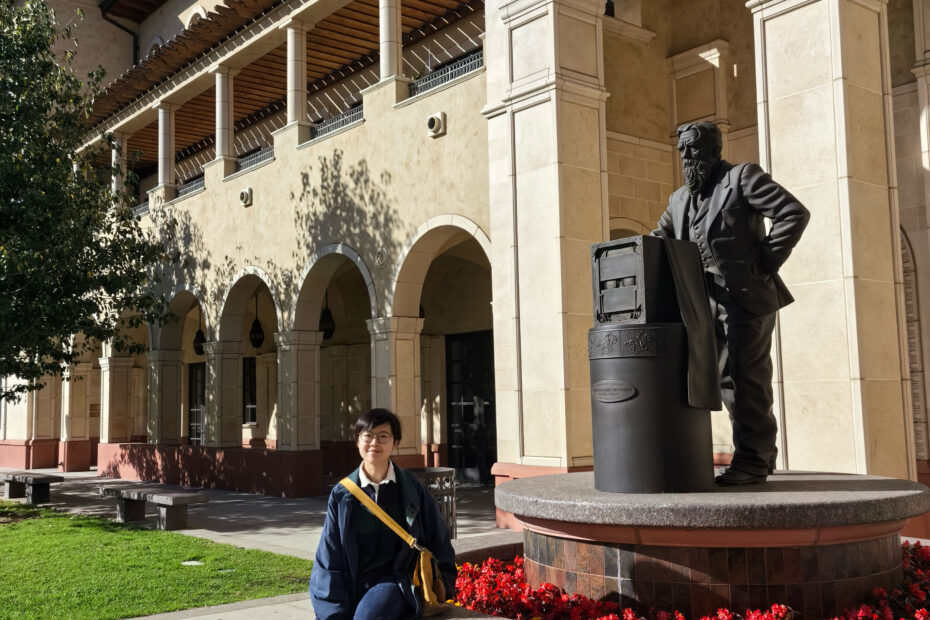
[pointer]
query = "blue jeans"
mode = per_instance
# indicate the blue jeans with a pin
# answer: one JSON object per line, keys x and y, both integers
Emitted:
{"x": 383, "y": 601}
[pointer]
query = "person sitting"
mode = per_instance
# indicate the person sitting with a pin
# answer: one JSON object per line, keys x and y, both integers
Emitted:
{"x": 363, "y": 569}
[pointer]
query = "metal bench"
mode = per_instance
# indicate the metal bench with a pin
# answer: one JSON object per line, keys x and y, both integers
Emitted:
{"x": 34, "y": 487}
{"x": 172, "y": 505}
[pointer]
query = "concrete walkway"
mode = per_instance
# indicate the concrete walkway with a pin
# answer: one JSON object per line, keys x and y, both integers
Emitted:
{"x": 288, "y": 526}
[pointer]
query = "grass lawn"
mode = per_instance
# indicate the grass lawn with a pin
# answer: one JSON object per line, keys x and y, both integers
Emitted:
{"x": 56, "y": 565}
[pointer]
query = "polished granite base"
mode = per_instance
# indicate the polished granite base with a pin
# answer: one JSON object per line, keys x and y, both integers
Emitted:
{"x": 817, "y": 542}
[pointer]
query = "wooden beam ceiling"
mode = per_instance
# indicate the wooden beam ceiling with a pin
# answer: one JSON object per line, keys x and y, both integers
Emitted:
{"x": 345, "y": 42}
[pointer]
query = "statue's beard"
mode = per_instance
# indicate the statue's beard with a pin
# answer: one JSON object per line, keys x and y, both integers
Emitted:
{"x": 696, "y": 172}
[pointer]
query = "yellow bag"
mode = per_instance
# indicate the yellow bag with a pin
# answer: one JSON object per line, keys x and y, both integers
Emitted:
{"x": 427, "y": 578}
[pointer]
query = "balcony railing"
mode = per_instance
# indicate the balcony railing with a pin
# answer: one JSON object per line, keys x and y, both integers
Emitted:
{"x": 253, "y": 159}
{"x": 336, "y": 122}
{"x": 190, "y": 187}
{"x": 453, "y": 70}
{"x": 141, "y": 209}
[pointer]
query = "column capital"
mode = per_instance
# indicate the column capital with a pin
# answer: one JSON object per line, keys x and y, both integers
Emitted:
{"x": 219, "y": 69}
{"x": 108, "y": 363}
{"x": 394, "y": 325}
{"x": 222, "y": 347}
{"x": 512, "y": 9}
{"x": 780, "y": 5}
{"x": 80, "y": 368}
{"x": 165, "y": 355}
{"x": 298, "y": 338}
{"x": 297, "y": 23}
{"x": 922, "y": 70}
{"x": 164, "y": 105}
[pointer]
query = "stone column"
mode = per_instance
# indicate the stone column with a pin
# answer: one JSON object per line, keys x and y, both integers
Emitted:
{"x": 824, "y": 133}
{"x": 74, "y": 444}
{"x": 389, "y": 21}
{"x": 224, "y": 158}
{"x": 166, "y": 377}
{"x": 166, "y": 151}
{"x": 297, "y": 129}
{"x": 225, "y": 134}
{"x": 922, "y": 73}
{"x": 115, "y": 391}
{"x": 297, "y": 72}
{"x": 395, "y": 374}
{"x": 44, "y": 411}
{"x": 118, "y": 160}
{"x": 298, "y": 417}
{"x": 223, "y": 418}
{"x": 548, "y": 196}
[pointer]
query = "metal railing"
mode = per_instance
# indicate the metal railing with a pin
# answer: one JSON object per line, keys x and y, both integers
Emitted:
{"x": 253, "y": 159}
{"x": 141, "y": 209}
{"x": 336, "y": 122}
{"x": 467, "y": 64}
{"x": 190, "y": 187}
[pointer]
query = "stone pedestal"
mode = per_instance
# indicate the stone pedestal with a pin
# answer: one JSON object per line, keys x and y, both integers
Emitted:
{"x": 816, "y": 542}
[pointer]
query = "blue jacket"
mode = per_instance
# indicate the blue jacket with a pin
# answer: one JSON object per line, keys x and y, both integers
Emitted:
{"x": 334, "y": 581}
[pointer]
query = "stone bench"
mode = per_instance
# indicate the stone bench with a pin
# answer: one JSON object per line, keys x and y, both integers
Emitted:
{"x": 34, "y": 487}
{"x": 172, "y": 505}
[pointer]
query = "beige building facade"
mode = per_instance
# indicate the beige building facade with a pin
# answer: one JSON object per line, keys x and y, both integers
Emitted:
{"x": 391, "y": 203}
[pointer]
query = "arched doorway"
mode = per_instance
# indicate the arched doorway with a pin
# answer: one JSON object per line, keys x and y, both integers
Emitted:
{"x": 445, "y": 279}
{"x": 177, "y": 374}
{"x": 242, "y": 369}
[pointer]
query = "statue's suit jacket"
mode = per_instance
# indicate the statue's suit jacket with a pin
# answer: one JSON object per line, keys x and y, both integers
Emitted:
{"x": 734, "y": 227}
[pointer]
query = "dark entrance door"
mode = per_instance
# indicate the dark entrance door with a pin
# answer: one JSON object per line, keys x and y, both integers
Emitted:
{"x": 196, "y": 401}
{"x": 471, "y": 422}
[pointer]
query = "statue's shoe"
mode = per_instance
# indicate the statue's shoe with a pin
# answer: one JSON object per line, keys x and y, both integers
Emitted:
{"x": 734, "y": 477}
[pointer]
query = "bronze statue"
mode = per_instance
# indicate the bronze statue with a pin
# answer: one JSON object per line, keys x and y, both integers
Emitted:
{"x": 722, "y": 208}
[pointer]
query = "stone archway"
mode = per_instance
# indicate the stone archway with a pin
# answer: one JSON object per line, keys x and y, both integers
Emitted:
{"x": 442, "y": 292}
{"x": 176, "y": 376}
{"x": 241, "y": 365}
{"x": 336, "y": 362}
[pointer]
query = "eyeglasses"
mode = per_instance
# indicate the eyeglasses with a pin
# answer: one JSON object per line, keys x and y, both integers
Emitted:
{"x": 381, "y": 438}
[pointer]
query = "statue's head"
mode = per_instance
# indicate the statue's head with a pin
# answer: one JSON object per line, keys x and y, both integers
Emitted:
{"x": 700, "y": 145}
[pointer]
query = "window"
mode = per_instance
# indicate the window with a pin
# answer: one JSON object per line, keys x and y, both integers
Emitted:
{"x": 249, "y": 393}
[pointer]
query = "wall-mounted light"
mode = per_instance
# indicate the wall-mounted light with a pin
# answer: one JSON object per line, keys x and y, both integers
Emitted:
{"x": 327, "y": 324}
{"x": 256, "y": 333}
{"x": 199, "y": 338}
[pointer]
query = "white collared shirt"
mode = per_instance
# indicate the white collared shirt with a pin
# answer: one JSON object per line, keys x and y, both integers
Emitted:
{"x": 366, "y": 481}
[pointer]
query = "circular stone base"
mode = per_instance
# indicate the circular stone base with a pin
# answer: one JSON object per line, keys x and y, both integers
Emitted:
{"x": 816, "y": 542}
{"x": 819, "y": 581}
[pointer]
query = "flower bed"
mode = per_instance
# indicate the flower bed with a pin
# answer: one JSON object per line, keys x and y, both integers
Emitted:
{"x": 500, "y": 589}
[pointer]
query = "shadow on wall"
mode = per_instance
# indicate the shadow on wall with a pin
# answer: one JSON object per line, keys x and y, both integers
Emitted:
{"x": 348, "y": 204}
{"x": 337, "y": 203}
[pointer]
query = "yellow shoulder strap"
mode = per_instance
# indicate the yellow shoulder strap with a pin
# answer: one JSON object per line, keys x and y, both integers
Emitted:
{"x": 376, "y": 510}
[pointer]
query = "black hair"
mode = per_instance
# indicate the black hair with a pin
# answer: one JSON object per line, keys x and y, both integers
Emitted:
{"x": 707, "y": 133}
{"x": 377, "y": 417}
